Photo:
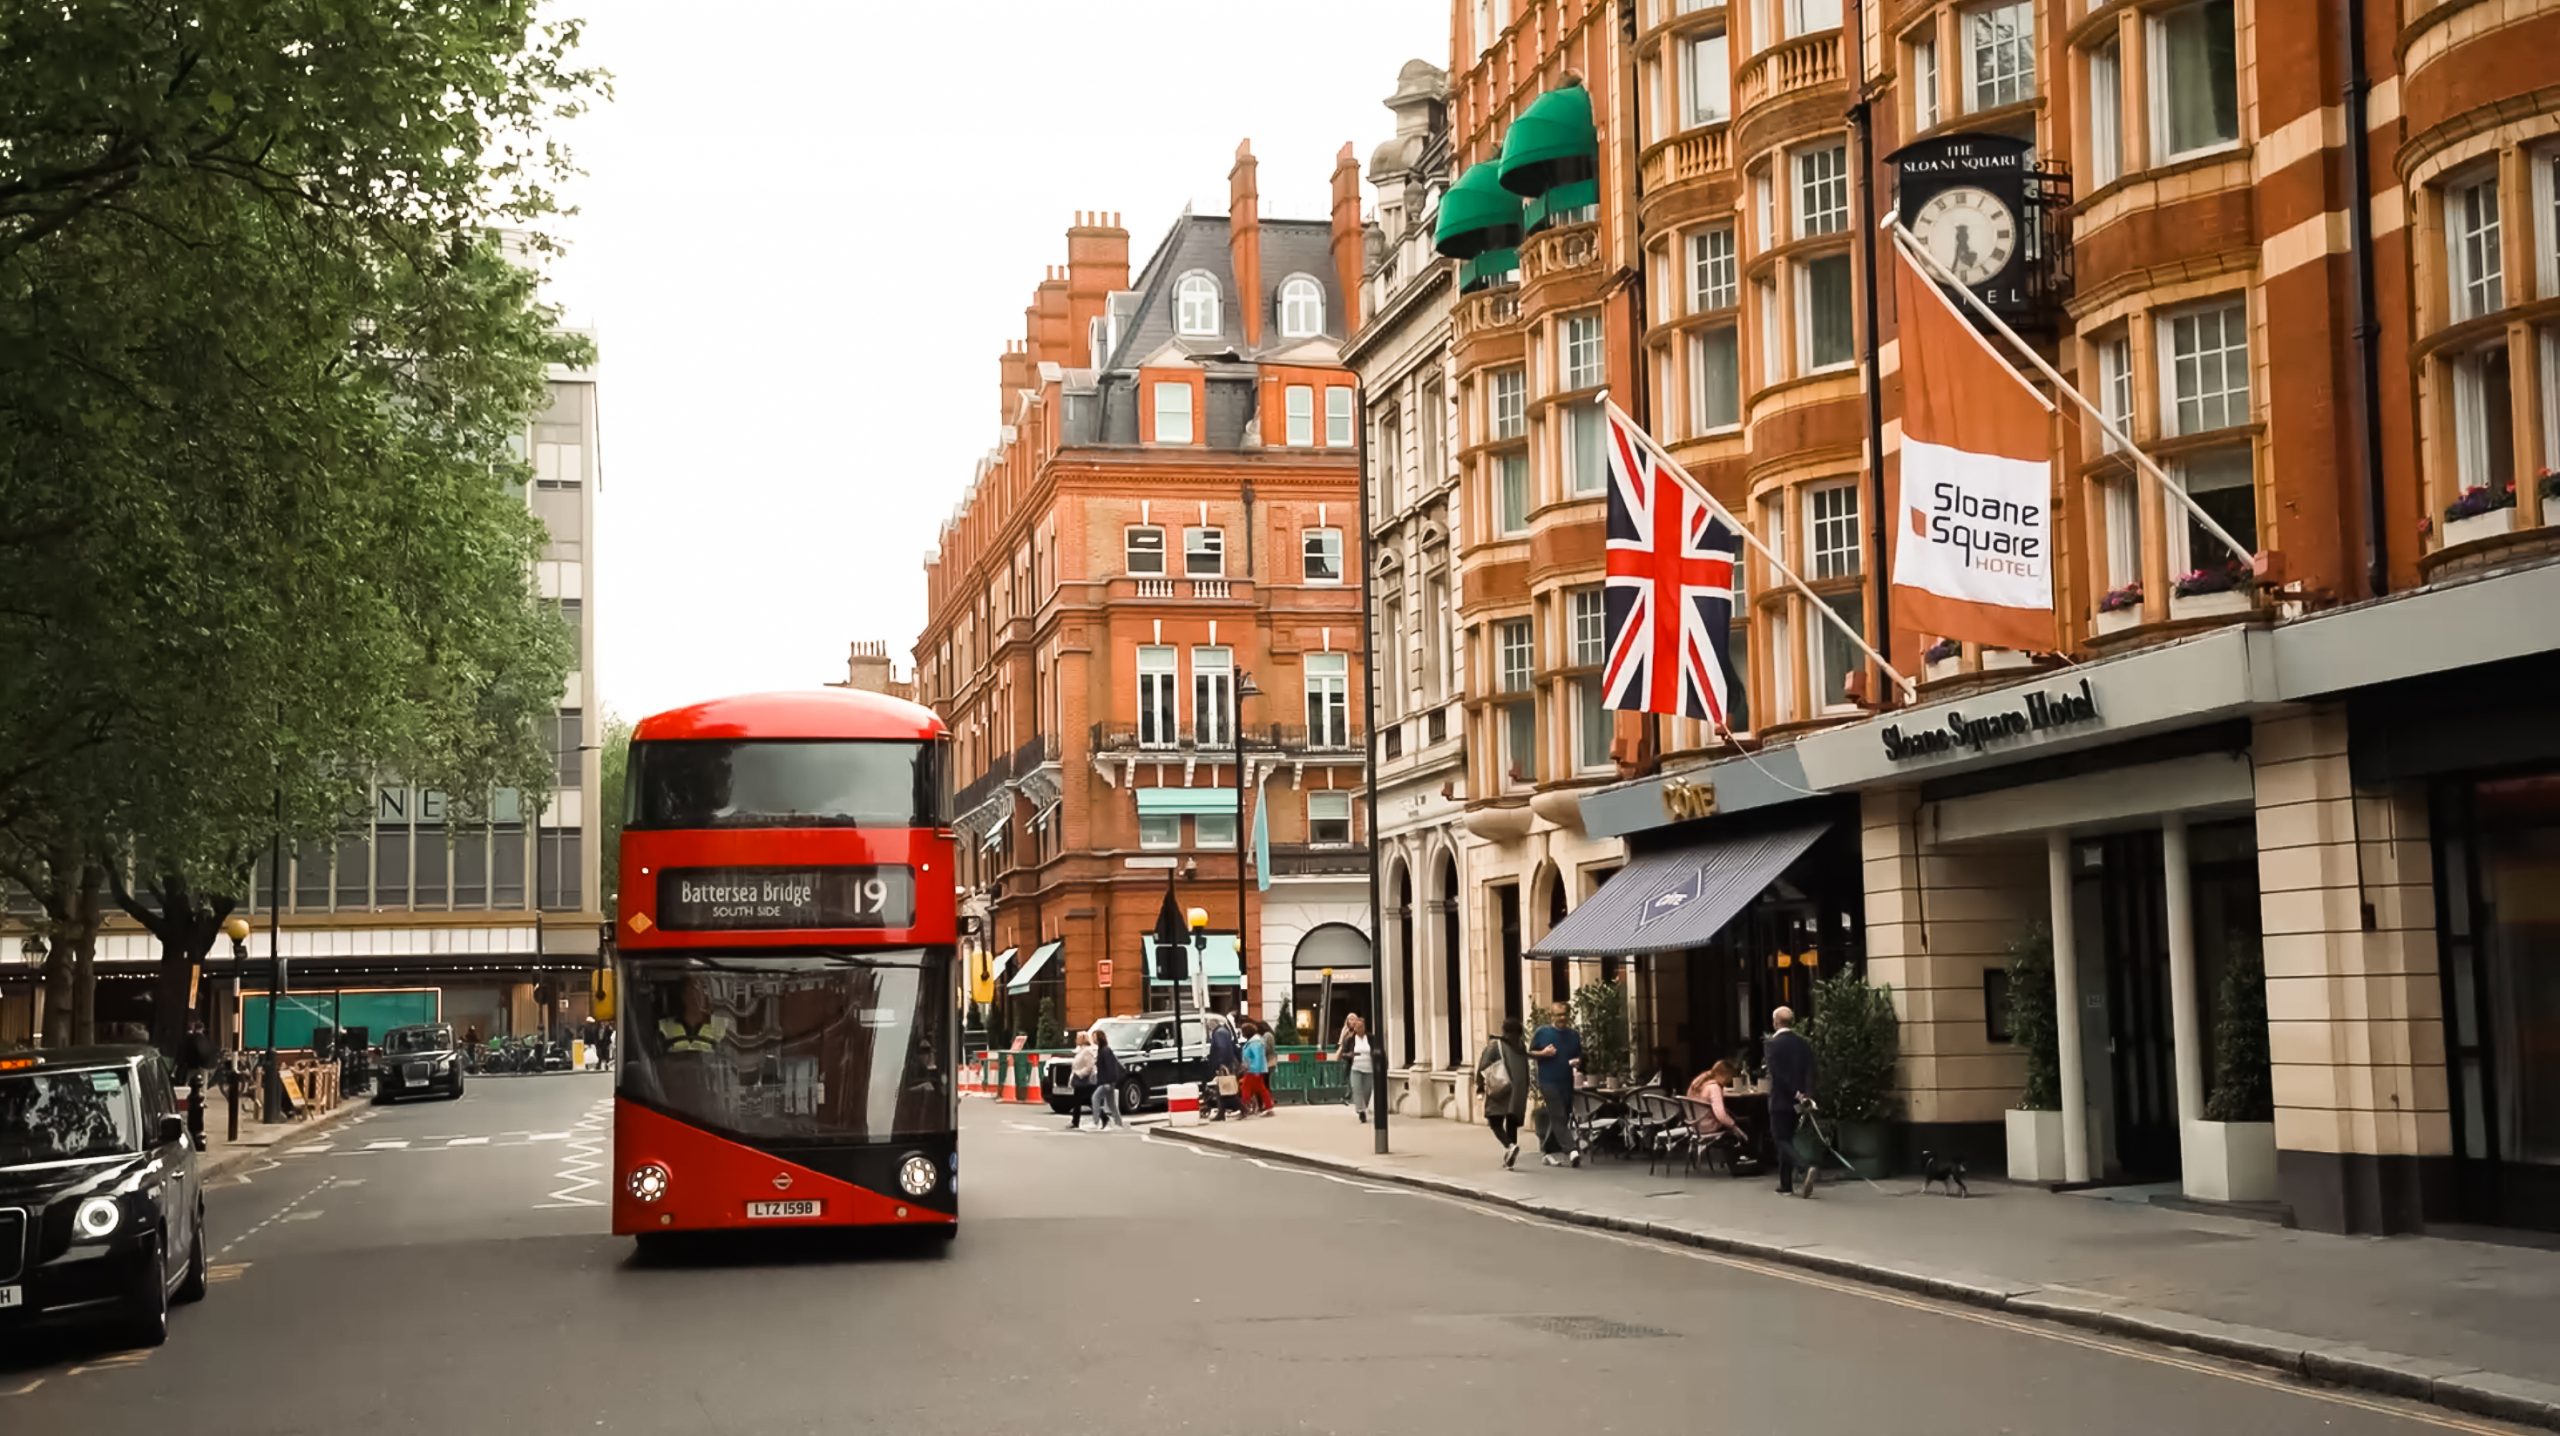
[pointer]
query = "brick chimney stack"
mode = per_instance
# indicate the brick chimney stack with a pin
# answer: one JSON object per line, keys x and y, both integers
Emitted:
{"x": 1244, "y": 242}
{"x": 1013, "y": 375}
{"x": 1349, "y": 249}
{"x": 1097, "y": 268}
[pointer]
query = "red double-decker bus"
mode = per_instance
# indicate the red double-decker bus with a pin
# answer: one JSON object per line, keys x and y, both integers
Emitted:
{"x": 788, "y": 987}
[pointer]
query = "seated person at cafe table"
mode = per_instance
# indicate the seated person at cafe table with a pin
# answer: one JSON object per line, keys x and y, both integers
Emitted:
{"x": 1708, "y": 1091}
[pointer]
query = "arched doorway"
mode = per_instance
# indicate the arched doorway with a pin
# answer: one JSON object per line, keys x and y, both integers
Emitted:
{"x": 1400, "y": 903}
{"x": 1559, "y": 969}
{"x": 1453, "y": 971}
{"x": 1342, "y": 950}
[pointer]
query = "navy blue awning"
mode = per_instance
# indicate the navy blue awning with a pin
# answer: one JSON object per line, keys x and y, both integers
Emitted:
{"x": 1683, "y": 897}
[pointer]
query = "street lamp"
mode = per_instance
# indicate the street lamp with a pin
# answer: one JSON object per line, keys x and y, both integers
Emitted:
{"x": 1198, "y": 918}
{"x": 1244, "y": 969}
{"x": 236, "y": 928}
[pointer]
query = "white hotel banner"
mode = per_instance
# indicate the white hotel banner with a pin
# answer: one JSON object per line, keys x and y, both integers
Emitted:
{"x": 1973, "y": 552}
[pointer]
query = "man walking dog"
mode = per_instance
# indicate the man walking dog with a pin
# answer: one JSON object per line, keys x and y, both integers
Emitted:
{"x": 1790, "y": 1059}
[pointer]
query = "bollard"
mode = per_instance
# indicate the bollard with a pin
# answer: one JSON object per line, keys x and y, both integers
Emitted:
{"x": 1182, "y": 1104}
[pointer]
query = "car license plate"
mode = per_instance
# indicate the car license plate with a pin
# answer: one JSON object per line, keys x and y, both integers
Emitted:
{"x": 9, "y": 1296}
{"x": 760, "y": 1210}
{"x": 414, "y": 1081}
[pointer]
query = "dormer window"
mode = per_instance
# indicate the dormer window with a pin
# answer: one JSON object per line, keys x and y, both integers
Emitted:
{"x": 1301, "y": 308}
{"x": 1195, "y": 299}
{"x": 1098, "y": 341}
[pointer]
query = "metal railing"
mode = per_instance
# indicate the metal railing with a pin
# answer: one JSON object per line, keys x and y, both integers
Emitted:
{"x": 1040, "y": 748}
{"x": 1258, "y": 738}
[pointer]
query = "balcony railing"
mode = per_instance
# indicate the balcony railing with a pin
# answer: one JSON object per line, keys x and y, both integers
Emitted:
{"x": 1125, "y": 739}
{"x": 1041, "y": 748}
{"x": 1493, "y": 309}
{"x": 1155, "y": 588}
{"x": 1560, "y": 251}
{"x": 1318, "y": 859}
{"x": 1701, "y": 154}
{"x": 1806, "y": 63}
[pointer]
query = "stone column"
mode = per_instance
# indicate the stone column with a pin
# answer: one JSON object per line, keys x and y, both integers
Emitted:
{"x": 2066, "y": 1009}
{"x": 2186, "y": 1043}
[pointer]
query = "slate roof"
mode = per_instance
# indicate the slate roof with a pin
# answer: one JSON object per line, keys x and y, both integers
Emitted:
{"x": 1199, "y": 242}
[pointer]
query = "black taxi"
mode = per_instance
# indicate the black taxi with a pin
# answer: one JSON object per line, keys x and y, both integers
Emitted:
{"x": 101, "y": 1220}
{"x": 1150, "y": 1060}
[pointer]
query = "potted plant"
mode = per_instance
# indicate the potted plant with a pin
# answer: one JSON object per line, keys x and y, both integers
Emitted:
{"x": 2480, "y": 512}
{"x": 2216, "y": 588}
{"x": 1600, "y": 1014}
{"x": 2120, "y": 608}
{"x": 1856, "y": 1037}
{"x": 1943, "y": 659}
{"x": 1049, "y": 1035}
{"x": 2547, "y": 486}
{"x": 2231, "y": 1154}
{"x": 2035, "y": 1124}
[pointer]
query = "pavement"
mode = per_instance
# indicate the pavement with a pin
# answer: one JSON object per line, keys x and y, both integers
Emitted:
{"x": 2460, "y": 1323}
{"x": 443, "y": 1266}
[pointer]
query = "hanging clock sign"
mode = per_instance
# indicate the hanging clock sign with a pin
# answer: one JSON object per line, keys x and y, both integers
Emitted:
{"x": 1965, "y": 198}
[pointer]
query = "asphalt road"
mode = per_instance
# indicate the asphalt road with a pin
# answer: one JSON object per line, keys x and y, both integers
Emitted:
{"x": 442, "y": 1267}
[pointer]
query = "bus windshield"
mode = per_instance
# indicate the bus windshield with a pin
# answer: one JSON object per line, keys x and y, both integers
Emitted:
{"x": 760, "y": 1047}
{"x": 709, "y": 783}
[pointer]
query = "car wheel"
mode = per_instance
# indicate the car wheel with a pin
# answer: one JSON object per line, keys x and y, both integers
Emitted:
{"x": 147, "y": 1324}
{"x": 1133, "y": 1095}
{"x": 192, "y": 1289}
{"x": 456, "y": 1094}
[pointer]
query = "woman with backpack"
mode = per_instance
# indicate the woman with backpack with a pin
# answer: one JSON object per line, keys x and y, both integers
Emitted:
{"x": 1502, "y": 1079}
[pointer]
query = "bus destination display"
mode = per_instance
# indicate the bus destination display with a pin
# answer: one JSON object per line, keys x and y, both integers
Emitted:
{"x": 729, "y": 899}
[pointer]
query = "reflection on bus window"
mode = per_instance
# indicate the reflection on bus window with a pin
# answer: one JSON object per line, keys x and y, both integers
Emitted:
{"x": 697, "y": 783}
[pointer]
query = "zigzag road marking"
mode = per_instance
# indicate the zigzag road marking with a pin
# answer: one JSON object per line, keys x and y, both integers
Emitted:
{"x": 586, "y": 1154}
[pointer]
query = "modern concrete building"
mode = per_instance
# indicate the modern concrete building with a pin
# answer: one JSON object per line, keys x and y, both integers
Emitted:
{"x": 1143, "y": 623}
{"x": 2304, "y": 257}
{"x": 498, "y": 918}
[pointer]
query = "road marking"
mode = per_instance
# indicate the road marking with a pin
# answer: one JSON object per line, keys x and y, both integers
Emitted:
{"x": 586, "y": 1154}
{"x": 468, "y": 1142}
{"x": 388, "y": 1144}
{"x": 222, "y": 1271}
{"x": 552, "y": 1136}
{"x": 117, "y": 1362}
{"x": 305, "y": 1216}
{"x": 29, "y": 1387}
{"x": 313, "y": 1149}
{"x": 280, "y": 1214}
{"x": 243, "y": 1178}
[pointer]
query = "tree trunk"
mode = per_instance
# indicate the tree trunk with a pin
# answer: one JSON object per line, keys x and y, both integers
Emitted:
{"x": 53, "y": 1025}
{"x": 86, "y": 913}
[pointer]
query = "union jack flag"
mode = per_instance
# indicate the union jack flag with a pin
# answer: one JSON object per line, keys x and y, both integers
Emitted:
{"x": 1669, "y": 597}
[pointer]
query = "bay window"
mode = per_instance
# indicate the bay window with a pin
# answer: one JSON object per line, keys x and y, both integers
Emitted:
{"x": 1712, "y": 279}
{"x": 1924, "y": 83}
{"x": 1806, "y": 17}
{"x": 2205, "y": 387}
{"x": 1507, "y": 408}
{"x": 2195, "y": 80}
{"x": 1706, "y": 82}
{"x": 2106, "y": 114}
{"x": 2474, "y": 262}
{"x": 1586, "y": 447}
{"x": 1764, "y": 316}
{"x": 1511, "y": 494}
{"x": 1822, "y": 191}
{"x": 1586, "y": 618}
{"x": 1833, "y": 656}
{"x": 2000, "y": 51}
{"x": 2484, "y": 438}
{"x": 1715, "y": 380}
{"x": 1833, "y": 547}
{"x": 1825, "y": 329}
{"x": 1514, "y": 657}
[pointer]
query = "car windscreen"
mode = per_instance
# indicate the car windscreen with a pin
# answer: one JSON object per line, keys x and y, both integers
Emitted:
{"x": 418, "y": 1039}
{"x": 1129, "y": 1034}
{"x": 707, "y": 783}
{"x": 61, "y": 1116}
{"x": 837, "y": 1046}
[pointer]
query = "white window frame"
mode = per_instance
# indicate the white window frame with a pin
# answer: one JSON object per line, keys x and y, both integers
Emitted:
{"x": 1820, "y": 178}
{"x": 1926, "y": 107}
{"x": 1197, "y": 306}
{"x": 2121, "y": 494}
{"x": 1764, "y": 210}
{"x": 1298, "y": 403}
{"x": 2480, "y": 419}
{"x": 1204, "y": 541}
{"x": 1515, "y": 656}
{"x": 2013, "y": 61}
{"x": 2115, "y": 386}
{"x": 1173, "y": 433}
{"x": 1159, "y": 831}
{"x": 2156, "y": 33}
{"x": 1586, "y": 450}
{"x": 1706, "y": 80}
{"x": 1806, "y": 331}
{"x": 1386, "y": 452}
{"x": 1701, "y": 422}
{"x": 1765, "y": 318}
{"x": 1782, "y": 665}
{"x": 1811, "y": 17}
{"x": 2183, "y": 557}
{"x": 1328, "y": 806}
{"x": 1219, "y": 837}
{"x": 1518, "y": 740}
{"x": 1301, "y": 307}
{"x": 2106, "y": 114}
{"x": 2474, "y": 246}
{"x": 1328, "y": 686}
{"x": 1159, "y": 670}
{"x": 2547, "y": 338}
{"x": 1587, "y": 626}
{"x": 1338, "y": 416}
{"x": 1511, "y": 498}
{"x": 1130, "y": 552}
{"x": 1213, "y": 695}
{"x": 1715, "y": 278}
{"x": 1579, "y": 358}
{"x": 1321, "y": 545}
{"x": 1507, "y": 403}
{"x": 2543, "y": 165}
{"x": 2231, "y": 315}
{"x": 1833, "y": 546}
{"x": 1820, "y": 634}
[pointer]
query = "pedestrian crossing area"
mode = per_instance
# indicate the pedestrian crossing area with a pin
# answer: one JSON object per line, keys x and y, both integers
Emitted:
{"x": 355, "y": 1147}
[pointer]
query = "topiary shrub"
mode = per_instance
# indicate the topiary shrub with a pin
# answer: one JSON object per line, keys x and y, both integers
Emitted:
{"x": 2033, "y": 1023}
{"x": 1857, "y": 1038}
{"x": 2243, "y": 1086}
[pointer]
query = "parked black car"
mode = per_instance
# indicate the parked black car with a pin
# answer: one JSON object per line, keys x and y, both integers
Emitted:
{"x": 417, "y": 1062}
{"x": 1148, "y": 1060}
{"x": 100, "y": 1216}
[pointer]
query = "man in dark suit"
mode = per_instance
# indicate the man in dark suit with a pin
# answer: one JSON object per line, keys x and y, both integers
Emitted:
{"x": 1790, "y": 1076}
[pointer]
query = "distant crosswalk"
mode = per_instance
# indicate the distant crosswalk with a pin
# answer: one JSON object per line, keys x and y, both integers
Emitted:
{"x": 355, "y": 1148}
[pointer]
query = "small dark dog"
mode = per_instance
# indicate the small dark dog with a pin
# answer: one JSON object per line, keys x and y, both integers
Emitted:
{"x": 1946, "y": 1170}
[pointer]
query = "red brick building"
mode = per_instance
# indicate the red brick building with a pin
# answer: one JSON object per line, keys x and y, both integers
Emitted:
{"x": 1168, "y": 512}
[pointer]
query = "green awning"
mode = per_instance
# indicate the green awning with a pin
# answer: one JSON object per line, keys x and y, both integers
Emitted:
{"x": 1494, "y": 266}
{"x": 1039, "y": 959}
{"x": 1555, "y": 204}
{"x": 1185, "y": 802}
{"x": 1553, "y": 143}
{"x": 1004, "y": 959}
{"x": 1477, "y": 214}
{"x": 1225, "y": 967}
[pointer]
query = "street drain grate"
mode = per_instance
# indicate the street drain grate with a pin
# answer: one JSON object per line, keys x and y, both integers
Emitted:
{"x": 1588, "y": 1328}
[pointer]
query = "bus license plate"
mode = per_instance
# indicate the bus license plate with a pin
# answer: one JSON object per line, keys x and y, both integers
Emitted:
{"x": 9, "y": 1296}
{"x": 761, "y": 1210}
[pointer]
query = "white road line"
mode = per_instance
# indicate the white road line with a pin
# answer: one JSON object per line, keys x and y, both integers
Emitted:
{"x": 554, "y": 1136}
{"x": 388, "y": 1144}
{"x": 314, "y": 1148}
{"x": 468, "y": 1142}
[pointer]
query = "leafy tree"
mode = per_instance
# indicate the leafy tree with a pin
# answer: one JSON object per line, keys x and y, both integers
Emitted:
{"x": 2243, "y": 1083}
{"x": 2033, "y": 1026}
{"x": 1600, "y": 1013}
{"x": 1857, "y": 1038}
{"x": 613, "y": 792}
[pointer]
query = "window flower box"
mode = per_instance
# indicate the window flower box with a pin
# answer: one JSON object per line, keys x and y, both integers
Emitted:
{"x": 1945, "y": 659}
{"x": 2209, "y": 592}
{"x": 2115, "y": 620}
{"x": 2480, "y": 512}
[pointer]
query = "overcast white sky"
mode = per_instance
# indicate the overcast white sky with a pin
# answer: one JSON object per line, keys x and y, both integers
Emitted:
{"x": 808, "y": 229}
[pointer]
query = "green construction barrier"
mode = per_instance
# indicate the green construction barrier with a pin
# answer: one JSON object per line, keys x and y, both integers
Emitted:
{"x": 1312, "y": 1078}
{"x": 301, "y": 1012}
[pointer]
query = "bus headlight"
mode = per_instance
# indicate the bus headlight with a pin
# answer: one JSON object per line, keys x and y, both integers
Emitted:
{"x": 97, "y": 1218}
{"x": 647, "y": 1182}
{"x": 917, "y": 1174}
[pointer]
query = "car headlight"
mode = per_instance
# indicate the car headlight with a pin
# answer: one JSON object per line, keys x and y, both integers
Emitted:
{"x": 647, "y": 1182}
{"x": 918, "y": 1174}
{"x": 444, "y": 1064}
{"x": 98, "y": 1218}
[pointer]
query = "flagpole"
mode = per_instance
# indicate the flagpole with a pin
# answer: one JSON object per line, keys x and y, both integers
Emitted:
{"x": 1910, "y": 690}
{"x": 1909, "y": 244}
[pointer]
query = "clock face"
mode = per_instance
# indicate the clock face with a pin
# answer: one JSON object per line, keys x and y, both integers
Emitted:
{"x": 1969, "y": 230}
